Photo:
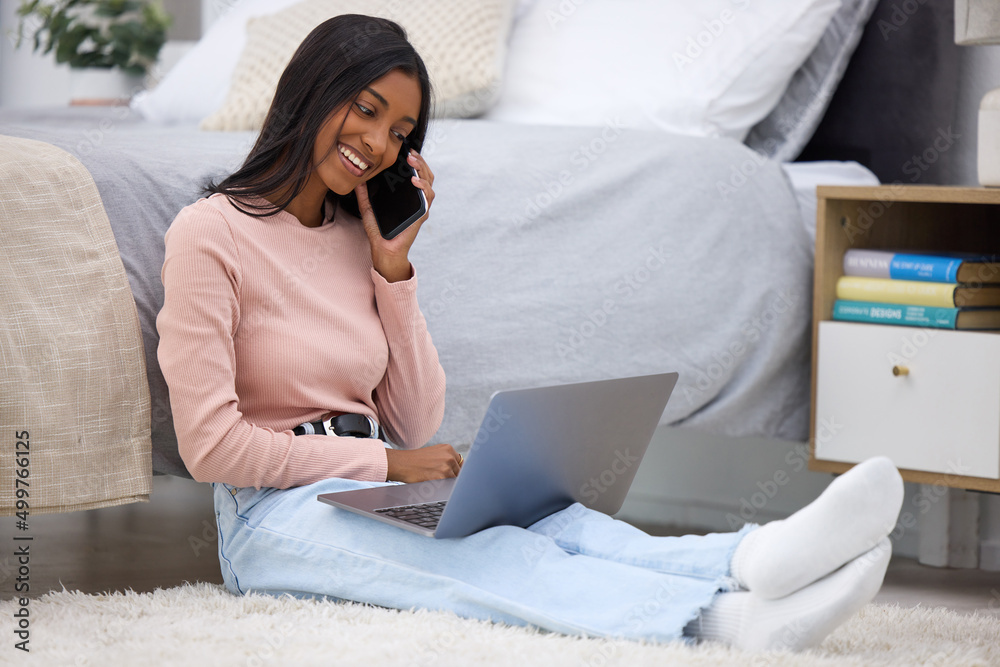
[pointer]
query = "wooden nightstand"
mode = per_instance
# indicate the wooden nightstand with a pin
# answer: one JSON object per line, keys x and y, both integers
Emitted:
{"x": 938, "y": 417}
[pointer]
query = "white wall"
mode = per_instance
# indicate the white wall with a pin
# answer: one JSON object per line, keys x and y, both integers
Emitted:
{"x": 27, "y": 79}
{"x": 980, "y": 72}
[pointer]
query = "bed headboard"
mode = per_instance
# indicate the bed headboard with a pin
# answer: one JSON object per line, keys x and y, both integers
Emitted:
{"x": 898, "y": 96}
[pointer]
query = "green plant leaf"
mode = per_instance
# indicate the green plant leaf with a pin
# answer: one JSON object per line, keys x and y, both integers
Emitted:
{"x": 136, "y": 31}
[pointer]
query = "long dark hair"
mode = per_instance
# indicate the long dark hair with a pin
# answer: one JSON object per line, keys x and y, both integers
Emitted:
{"x": 330, "y": 68}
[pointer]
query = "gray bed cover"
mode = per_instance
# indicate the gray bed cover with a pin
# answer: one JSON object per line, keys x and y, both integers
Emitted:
{"x": 551, "y": 255}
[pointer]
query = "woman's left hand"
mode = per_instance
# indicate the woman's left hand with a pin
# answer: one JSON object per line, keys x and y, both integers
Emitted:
{"x": 390, "y": 257}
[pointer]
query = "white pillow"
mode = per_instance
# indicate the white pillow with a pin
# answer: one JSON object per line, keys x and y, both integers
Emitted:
{"x": 462, "y": 43}
{"x": 698, "y": 67}
{"x": 196, "y": 86}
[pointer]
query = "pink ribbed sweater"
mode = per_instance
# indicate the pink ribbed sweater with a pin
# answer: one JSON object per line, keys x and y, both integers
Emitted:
{"x": 267, "y": 324}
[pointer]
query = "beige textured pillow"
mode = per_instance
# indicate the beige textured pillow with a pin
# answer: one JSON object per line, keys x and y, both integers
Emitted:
{"x": 462, "y": 42}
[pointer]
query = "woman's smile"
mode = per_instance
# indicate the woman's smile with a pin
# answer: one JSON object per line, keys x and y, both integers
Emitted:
{"x": 353, "y": 160}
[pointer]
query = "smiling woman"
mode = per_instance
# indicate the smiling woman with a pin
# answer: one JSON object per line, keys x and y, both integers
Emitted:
{"x": 294, "y": 350}
{"x": 327, "y": 94}
{"x": 368, "y": 135}
{"x": 336, "y": 121}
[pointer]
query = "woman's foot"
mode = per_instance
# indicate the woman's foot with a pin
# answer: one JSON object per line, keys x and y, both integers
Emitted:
{"x": 849, "y": 518}
{"x": 800, "y": 620}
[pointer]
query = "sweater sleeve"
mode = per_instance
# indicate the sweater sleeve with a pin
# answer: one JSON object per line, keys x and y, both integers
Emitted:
{"x": 410, "y": 397}
{"x": 197, "y": 324}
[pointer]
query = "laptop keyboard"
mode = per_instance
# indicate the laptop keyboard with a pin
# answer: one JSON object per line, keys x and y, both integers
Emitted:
{"x": 425, "y": 515}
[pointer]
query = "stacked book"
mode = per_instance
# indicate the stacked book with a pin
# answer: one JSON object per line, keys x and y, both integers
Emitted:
{"x": 924, "y": 290}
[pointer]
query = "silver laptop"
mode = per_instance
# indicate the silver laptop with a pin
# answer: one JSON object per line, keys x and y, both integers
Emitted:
{"x": 537, "y": 451}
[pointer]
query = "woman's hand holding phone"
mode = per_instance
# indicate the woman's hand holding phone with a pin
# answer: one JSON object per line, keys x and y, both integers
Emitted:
{"x": 390, "y": 257}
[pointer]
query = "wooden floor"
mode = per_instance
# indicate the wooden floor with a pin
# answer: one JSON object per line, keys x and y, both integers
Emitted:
{"x": 140, "y": 546}
{"x": 172, "y": 539}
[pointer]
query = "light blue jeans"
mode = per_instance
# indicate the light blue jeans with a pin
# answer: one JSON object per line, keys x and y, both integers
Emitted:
{"x": 576, "y": 572}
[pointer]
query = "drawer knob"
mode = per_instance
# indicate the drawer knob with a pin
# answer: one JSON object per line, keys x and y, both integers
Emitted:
{"x": 900, "y": 370}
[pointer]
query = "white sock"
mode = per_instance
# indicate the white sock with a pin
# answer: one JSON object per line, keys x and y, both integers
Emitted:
{"x": 849, "y": 518}
{"x": 800, "y": 620}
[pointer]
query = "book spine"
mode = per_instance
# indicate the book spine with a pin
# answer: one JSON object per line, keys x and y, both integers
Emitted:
{"x": 895, "y": 313}
{"x": 900, "y": 266}
{"x": 924, "y": 267}
{"x": 867, "y": 263}
{"x": 909, "y": 292}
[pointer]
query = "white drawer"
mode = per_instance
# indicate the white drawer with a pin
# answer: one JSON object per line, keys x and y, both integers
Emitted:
{"x": 943, "y": 416}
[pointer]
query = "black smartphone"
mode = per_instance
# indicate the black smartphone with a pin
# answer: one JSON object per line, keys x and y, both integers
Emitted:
{"x": 396, "y": 202}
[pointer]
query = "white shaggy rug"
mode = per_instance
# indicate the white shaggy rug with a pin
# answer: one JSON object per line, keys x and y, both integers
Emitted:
{"x": 205, "y": 625}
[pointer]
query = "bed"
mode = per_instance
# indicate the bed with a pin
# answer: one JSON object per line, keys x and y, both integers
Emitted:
{"x": 566, "y": 243}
